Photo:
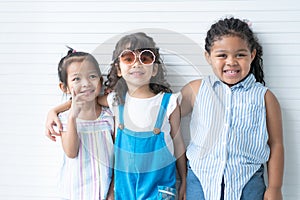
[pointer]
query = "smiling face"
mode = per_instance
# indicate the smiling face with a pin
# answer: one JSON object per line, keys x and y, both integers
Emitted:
{"x": 230, "y": 58}
{"x": 137, "y": 75}
{"x": 84, "y": 79}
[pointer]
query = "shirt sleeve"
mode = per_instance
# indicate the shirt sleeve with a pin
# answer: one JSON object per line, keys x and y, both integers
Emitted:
{"x": 173, "y": 103}
{"x": 111, "y": 100}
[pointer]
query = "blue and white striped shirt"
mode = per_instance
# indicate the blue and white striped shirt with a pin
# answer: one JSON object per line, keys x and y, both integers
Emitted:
{"x": 228, "y": 135}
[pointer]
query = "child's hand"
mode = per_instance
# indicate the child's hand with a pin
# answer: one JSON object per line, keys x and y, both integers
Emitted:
{"x": 51, "y": 122}
{"x": 273, "y": 194}
{"x": 107, "y": 90}
{"x": 182, "y": 191}
{"x": 77, "y": 104}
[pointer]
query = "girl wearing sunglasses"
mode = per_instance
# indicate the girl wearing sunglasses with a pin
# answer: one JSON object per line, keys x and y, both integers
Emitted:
{"x": 148, "y": 143}
{"x": 148, "y": 138}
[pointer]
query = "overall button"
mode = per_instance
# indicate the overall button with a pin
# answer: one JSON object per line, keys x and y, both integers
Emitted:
{"x": 156, "y": 131}
{"x": 121, "y": 126}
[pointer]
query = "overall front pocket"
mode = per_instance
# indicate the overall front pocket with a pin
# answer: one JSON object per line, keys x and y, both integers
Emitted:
{"x": 166, "y": 193}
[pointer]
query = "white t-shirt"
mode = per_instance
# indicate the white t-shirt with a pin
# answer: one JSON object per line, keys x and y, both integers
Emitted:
{"x": 140, "y": 114}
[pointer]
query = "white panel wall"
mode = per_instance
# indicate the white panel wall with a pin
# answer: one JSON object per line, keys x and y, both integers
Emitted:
{"x": 32, "y": 38}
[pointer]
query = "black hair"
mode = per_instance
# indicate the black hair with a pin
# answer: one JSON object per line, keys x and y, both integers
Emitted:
{"x": 236, "y": 27}
{"x": 73, "y": 56}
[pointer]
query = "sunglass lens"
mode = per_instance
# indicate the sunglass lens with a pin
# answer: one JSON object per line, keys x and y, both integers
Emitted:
{"x": 147, "y": 57}
{"x": 127, "y": 57}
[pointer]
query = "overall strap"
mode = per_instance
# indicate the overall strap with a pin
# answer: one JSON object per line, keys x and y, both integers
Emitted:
{"x": 162, "y": 113}
{"x": 121, "y": 117}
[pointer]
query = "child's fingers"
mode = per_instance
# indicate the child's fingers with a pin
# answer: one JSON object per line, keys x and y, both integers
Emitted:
{"x": 49, "y": 135}
{"x": 53, "y": 129}
{"x": 59, "y": 125}
{"x": 73, "y": 93}
{"x": 79, "y": 97}
{"x": 76, "y": 97}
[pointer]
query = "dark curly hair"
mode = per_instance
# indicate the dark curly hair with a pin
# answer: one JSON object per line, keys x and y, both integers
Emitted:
{"x": 136, "y": 41}
{"x": 240, "y": 28}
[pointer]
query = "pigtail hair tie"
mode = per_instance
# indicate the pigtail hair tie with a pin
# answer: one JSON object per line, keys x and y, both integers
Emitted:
{"x": 71, "y": 50}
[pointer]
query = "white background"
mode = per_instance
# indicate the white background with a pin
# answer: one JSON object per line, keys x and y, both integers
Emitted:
{"x": 33, "y": 35}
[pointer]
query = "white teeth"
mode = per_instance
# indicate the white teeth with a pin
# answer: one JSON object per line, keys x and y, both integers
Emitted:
{"x": 230, "y": 71}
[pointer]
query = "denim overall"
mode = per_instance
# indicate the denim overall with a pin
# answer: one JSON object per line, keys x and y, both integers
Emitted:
{"x": 144, "y": 167}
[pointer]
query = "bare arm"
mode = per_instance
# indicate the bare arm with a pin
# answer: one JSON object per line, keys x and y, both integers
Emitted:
{"x": 102, "y": 100}
{"x": 179, "y": 151}
{"x": 52, "y": 120}
{"x": 70, "y": 140}
{"x": 276, "y": 161}
{"x": 189, "y": 93}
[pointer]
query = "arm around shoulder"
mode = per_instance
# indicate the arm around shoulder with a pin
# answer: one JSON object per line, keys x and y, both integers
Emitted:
{"x": 102, "y": 100}
{"x": 53, "y": 120}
